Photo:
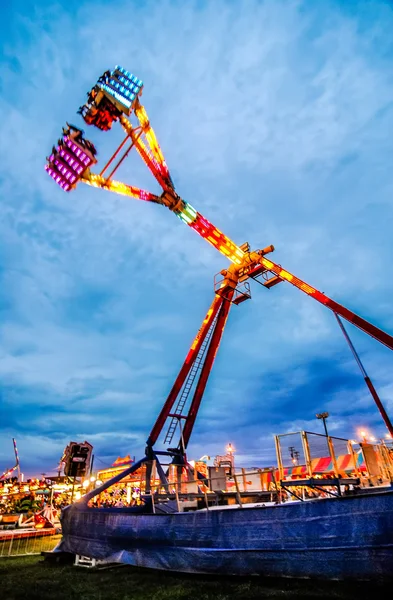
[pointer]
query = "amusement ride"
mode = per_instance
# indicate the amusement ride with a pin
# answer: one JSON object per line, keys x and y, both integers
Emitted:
{"x": 116, "y": 99}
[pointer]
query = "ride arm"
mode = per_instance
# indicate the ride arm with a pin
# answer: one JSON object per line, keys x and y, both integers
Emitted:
{"x": 351, "y": 317}
{"x": 118, "y": 187}
{"x": 152, "y": 141}
{"x": 203, "y": 227}
{"x": 158, "y": 170}
{"x": 237, "y": 256}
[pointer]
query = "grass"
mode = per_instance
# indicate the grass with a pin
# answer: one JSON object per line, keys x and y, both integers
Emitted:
{"x": 31, "y": 578}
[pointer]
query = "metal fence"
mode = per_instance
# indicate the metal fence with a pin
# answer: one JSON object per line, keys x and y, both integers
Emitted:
{"x": 290, "y": 450}
{"x": 306, "y": 454}
{"x": 376, "y": 461}
{"x": 331, "y": 454}
{"x": 20, "y": 543}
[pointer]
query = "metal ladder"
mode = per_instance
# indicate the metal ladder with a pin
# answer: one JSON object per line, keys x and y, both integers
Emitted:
{"x": 195, "y": 369}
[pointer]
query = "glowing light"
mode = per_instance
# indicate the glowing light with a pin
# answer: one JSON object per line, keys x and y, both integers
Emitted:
{"x": 307, "y": 288}
{"x": 230, "y": 449}
{"x": 184, "y": 218}
{"x": 128, "y": 75}
{"x": 155, "y": 167}
{"x": 363, "y": 434}
{"x": 150, "y": 135}
{"x": 210, "y": 233}
{"x": 266, "y": 263}
{"x": 122, "y": 87}
{"x": 190, "y": 211}
{"x": 286, "y": 275}
{"x": 119, "y": 97}
{"x": 119, "y": 188}
{"x": 67, "y": 163}
{"x": 58, "y": 178}
{"x": 208, "y": 319}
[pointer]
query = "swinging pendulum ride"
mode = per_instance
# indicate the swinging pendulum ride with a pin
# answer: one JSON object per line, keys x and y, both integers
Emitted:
{"x": 116, "y": 99}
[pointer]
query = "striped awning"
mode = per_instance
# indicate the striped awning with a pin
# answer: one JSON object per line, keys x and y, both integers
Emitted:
{"x": 325, "y": 465}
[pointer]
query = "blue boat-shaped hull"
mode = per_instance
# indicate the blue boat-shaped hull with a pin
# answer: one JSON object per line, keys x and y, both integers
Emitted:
{"x": 344, "y": 538}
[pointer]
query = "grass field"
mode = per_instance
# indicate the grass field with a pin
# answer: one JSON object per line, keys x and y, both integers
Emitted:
{"x": 30, "y": 578}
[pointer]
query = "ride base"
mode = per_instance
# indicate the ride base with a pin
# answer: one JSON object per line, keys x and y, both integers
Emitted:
{"x": 348, "y": 537}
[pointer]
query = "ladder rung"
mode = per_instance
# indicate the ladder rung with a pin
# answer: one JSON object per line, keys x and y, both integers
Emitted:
{"x": 195, "y": 368}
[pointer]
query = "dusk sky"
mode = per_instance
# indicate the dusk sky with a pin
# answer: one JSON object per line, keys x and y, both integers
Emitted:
{"x": 276, "y": 122}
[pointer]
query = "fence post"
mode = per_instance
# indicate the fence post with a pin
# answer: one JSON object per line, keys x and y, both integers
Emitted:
{"x": 387, "y": 460}
{"x": 10, "y": 546}
{"x": 306, "y": 451}
{"x": 177, "y": 497}
{"x": 384, "y": 473}
{"x": 238, "y": 496}
{"x": 332, "y": 455}
{"x": 355, "y": 464}
{"x": 206, "y": 500}
{"x": 244, "y": 479}
{"x": 261, "y": 479}
{"x": 279, "y": 457}
{"x": 153, "y": 486}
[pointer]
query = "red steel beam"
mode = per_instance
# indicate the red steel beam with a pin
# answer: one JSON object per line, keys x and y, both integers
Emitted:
{"x": 180, "y": 379}
{"x": 367, "y": 379}
{"x": 359, "y": 322}
{"x": 207, "y": 367}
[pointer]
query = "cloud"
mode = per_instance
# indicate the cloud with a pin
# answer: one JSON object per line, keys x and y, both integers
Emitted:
{"x": 273, "y": 117}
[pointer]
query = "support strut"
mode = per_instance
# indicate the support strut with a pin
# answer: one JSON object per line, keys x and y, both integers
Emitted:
{"x": 207, "y": 367}
{"x": 366, "y": 378}
{"x": 184, "y": 371}
{"x": 359, "y": 322}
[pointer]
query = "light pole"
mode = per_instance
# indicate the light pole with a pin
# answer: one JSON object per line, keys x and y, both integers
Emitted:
{"x": 323, "y": 416}
{"x": 230, "y": 450}
{"x": 294, "y": 455}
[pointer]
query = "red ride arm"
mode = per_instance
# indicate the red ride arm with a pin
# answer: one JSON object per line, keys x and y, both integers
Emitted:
{"x": 375, "y": 332}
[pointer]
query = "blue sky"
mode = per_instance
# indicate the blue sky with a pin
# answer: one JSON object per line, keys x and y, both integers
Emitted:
{"x": 275, "y": 119}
